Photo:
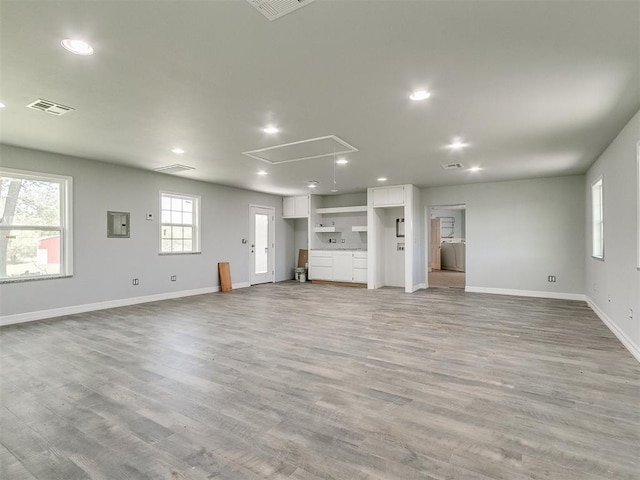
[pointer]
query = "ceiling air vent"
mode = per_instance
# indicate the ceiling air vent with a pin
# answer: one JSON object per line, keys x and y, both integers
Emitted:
{"x": 175, "y": 168}
{"x": 49, "y": 107}
{"x": 273, "y": 9}
{"x": 451, "y": 166}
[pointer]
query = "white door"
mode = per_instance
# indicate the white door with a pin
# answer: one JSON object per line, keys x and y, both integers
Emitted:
{"x": 262, "y": 244}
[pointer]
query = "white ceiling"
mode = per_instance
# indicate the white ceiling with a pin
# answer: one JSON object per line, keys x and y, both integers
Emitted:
{"x": 537, "y": 88}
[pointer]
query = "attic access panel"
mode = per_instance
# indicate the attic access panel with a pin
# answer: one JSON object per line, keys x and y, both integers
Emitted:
{"x": 303, "y": 150}
{"x": 273, "y": 9}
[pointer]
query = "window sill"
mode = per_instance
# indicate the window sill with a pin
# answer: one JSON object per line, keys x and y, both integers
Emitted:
{"x": 163, "y": 254}
{"x": 33, "y": 279}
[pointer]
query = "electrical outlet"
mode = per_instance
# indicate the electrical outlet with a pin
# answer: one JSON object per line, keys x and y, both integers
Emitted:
{"x": 551, "y": 278}
{"x": 173, "y": 278}
{"x": 609, "y": 298}
{"x": 631, "y": 313}
{"x": 135, "y": 281}
{"x": 342, "y": 240}
{"x": 149, "y": 216}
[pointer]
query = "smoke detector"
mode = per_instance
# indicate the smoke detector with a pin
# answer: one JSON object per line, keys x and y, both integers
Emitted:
{"x": 175, "y": 168}
{"x": 452, "y": 166}
{"x": 49, "y": 107}
{"x": 273, "y": 9}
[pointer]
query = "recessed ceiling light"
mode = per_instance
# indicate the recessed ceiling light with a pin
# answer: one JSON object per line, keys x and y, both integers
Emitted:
{"x": 262, "y": 173}
{"x": 2, "y": 105}
{"x": 457, "y": 144}
{"x": 79, "y": 47}
{"x": 419, "y": 95}
{"x": 177, "y": 150}
{"x": 475, "y": 169}
{"x": 342, "y": 161}
{"x": 312, "y": 183}
{"x": 382, "y": 179}
{"x": 270, "y": 129}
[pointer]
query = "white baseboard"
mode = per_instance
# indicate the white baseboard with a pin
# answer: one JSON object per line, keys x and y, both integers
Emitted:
{"x": 419, "y": 286}
{"x": 626, "y": 341}
{"x": 527, "y": 293}
{"x": 90, "y": 307}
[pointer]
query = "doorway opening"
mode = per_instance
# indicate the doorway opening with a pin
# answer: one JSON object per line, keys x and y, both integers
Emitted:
{"x": 261, "y": 236}
{"x": 447, "y": 246}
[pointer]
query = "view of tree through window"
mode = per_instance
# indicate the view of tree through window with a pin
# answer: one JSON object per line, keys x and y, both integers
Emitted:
{"x": 31, "y": 225}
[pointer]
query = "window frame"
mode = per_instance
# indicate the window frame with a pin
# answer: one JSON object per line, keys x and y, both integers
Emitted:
{"x": 638, "y": 204}
{"x": 65, "y": 227}
{"x": 195, "y": 225}
{"x": 597, "y": 186}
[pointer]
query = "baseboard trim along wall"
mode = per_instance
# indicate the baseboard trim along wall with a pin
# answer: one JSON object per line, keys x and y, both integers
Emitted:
{"x": 626, "y": 341}
{"x": 90, "y": 307}
{"x": 419, "y": 286}
{"x": 527, "y": 293}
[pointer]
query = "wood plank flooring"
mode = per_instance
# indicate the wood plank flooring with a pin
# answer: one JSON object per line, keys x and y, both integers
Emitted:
{"x": 298, "y": 381}
{"x": 447, "y": 278}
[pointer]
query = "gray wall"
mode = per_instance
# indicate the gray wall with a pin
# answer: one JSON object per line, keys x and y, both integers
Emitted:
{"x": 617, "y": 276}
{"x": 104, "y": 268}
{"x": 519, "y": 232}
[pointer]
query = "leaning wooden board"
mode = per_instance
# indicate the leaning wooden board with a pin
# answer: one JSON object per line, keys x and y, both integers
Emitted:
{"x": 224, "y": 272}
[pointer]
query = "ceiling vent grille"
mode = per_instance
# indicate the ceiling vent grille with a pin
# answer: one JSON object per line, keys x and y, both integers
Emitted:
{"x": 49, "y": 107}
{"x": 175, "y": 168}
{"x": 452, "y": 166}
{"x": 320, "y": 147}
{"x": 273, "y": 9}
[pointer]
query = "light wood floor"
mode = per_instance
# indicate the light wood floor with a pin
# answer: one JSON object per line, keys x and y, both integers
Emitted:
{"x": 299, "y": 381}
{"x": 446, "y": 278}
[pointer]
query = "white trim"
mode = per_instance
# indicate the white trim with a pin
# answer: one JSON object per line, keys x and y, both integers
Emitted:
{"x": 597, "y": 186}
{"x": 419, "y": 286}
{"x": 352, "y": 209}
{"x": 638, "y": 204}
{"x": 527, "y": 293}
{"x": 90, "y": 307}
{"x": 626, "y": 341}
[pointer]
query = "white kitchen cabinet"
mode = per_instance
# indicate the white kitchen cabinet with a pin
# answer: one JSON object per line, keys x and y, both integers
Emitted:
{"x": 338, "y": 266}
{"x": 388, "y": 196}
{"x": 343, "y": 266}
{"x": 360, "y": 267}
{"x": 295, "y": 207}
{"x": 320, "y": 265}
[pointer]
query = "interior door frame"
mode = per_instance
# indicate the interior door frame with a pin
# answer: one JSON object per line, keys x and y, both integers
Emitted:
{"x": 427, "y": 236}
{"x": 272, "y": 241}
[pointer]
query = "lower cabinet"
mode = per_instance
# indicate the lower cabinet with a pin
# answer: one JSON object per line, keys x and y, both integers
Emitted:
{"x": 338, "y": 266}
{"x": 360, "y": 267}
{"x": 320, "y": 265}
{"x": 343, "y": 266}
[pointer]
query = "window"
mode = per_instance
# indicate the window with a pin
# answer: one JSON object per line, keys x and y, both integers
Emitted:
{"x": 179, "y": 226}
{"x": 35, "y": 225}
{"x": 597, "y": 219}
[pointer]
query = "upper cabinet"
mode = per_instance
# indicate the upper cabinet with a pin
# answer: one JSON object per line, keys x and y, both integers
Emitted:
{"x": 388, "y": 196}
{"x": 295, "y": 207}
